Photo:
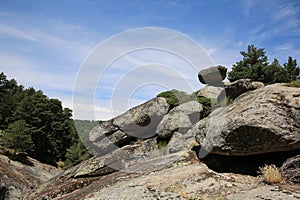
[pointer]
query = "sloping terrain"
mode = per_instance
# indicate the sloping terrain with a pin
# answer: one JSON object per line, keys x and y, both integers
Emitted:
{"x": 19, "y": 178}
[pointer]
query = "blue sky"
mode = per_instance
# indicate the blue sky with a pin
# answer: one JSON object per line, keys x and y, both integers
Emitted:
{"x": 44, "y": 43}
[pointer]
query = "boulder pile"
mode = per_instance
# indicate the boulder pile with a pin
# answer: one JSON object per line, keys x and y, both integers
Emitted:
{"x": 151, "y": 151}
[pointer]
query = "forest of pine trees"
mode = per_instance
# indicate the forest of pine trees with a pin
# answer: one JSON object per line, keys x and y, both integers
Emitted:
{"x": 39, "y": 126}
{"x": 255, "y": 66}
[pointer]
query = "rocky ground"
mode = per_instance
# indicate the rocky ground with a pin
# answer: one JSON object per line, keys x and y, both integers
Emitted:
{"x": 183, "y": 177}
{"x": 19, "y": 178}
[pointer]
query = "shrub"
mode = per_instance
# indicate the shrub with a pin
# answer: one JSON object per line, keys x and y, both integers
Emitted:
{"x": 171, "y": 98}
{"x": 271, "y": 174}
{"x": 60, "y": 164}
{"x": 162, "y": 143}
{"x": 206, "y": 103}
{"x": 175, "y": 98}
{"x": 295, "y": 83}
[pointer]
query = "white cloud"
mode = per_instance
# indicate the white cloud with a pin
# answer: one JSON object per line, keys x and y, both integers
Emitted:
{"x": 283, "y": 51}
{"x": 284, "y": 47}
{"x": 13, "y": 32}
{"x": 248, "y": 5}
{"x": 285, "y": 11}
{"x": 134, "y": 63}
{"x": 31, "y": 73}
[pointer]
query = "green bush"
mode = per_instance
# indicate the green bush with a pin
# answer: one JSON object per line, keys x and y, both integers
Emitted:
{"x": 295, "y": 83}
{"x": 208, "y": 105}
{"x": 171, "y": 98}
{"x": 175, "y": 98}
{"x": 161, "y": 143}
{"x": 60, "y": 164}
{"x": 75, "y": 154}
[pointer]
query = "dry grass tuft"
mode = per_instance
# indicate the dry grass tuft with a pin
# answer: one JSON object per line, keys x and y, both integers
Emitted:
{"x": 271, "y": 174}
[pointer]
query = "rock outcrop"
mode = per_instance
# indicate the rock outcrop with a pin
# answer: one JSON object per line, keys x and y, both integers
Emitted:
{"x": 180, "y": 119}
{"x": 261, "y": 121}
{"x": 265, "y": 192}
{"x": 290, "y": 169}
{"x": 213, "y": 76}
{"x": 93, "y": 178}
{"x": 17, "y": 179}
{"x": 155, "y": 154}
{"x": 173, "y": 176}
{"x": 229, "y": 90}
{"x": 235, "y": 89}
{"x": 210, "y": 92}
{"x": 138, "y": 122}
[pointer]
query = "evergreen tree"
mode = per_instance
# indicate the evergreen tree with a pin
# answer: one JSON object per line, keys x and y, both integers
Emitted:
{"x": 9, "y": 98}
{"x": 18, "y": 137}
{"x": 33, "y": 123}
{"x": 274, "y": 73}
{"x": 292, "y": 71}
{"x": 75, "y": 154}
{"x": 251, "y": 66}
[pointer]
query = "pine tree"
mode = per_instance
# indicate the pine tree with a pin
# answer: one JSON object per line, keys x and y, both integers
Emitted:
{"x": 18, "y": 137}
{"x": 32, "y": 122}
{"x": 9, "y": 98}
{"x": 291, "y": 69}
{"x": 251, "y": 66}
{"x": 274, "y": 73}
{"x": 75, "y": 154}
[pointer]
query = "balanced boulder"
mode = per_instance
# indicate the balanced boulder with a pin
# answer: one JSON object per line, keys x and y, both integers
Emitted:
{"x": 213, "y": 76}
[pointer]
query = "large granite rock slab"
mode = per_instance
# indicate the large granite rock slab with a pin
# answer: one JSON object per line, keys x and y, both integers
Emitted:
{"x": 138, "y": 122}
{"x": 261, "y": 121}
{"x": 180, "y": 119}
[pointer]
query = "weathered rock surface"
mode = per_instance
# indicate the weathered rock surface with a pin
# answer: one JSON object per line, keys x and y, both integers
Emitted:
{"x": 138, "y": 122}
{"x": 265, "y": 192}
{"x": 261, "y": 121}
{"x": 213, "y": 76}
{"x": 235, "y": 89}
{"x": 17, "y": 179}
{"x": 180, "y": 119}
{"x": 95, "y": 175}
{"x": 210, "y": 92}
{"x": 174, "y": 176}
{"x": 181, "y": 181}
{"x": 180, "y": 142}
{"x": 290, "y": 169}
{"x": 230, "y": 90}
{"x": 257, "y": 85}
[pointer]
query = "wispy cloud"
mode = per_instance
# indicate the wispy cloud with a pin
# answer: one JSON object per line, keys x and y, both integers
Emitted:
{"x": 284, "y": 47}
{"x": 283, "y": 51}
{"x": 13, "y": 32}
{"x": 248, "y": 6}
{"x": 44, "y": 45}
{"x": 286, "y": 11}
{"x": 29, "y": 73}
